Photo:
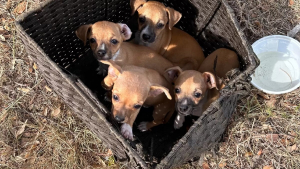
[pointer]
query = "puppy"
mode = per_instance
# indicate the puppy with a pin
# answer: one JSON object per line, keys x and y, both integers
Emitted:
{"x": 106, "y": 41}
{"x": 157, "y": 32}
{"x": 134, "y": 87}
{"x": 195, "y": 91}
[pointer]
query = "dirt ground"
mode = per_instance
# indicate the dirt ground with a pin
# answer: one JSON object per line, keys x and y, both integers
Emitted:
{"x": 37, "y": 130}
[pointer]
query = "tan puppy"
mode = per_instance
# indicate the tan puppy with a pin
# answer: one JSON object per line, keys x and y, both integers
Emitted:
{"x": 134, "y": 87}
{"x": 195, "y": 91}
{"x": 157, "y": 32}
{"x": 106, "y": 41}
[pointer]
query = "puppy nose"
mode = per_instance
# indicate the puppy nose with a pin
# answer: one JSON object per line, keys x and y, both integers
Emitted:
{"x": 119, "y": 119}
{"x": 102, "y": 52}
{"x": 183, "y": 108}
{"x": 146, "y": 37}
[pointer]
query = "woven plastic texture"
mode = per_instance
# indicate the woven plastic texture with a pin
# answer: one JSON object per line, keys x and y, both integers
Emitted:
{"x": 48, "y": 34}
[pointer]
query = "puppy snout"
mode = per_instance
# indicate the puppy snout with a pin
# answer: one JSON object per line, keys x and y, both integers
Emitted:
{"x": 183, "y": 108}
{"x": 101, "y": 52}
{"x": 119, "y": 118}
{"x": 146, "y": 37}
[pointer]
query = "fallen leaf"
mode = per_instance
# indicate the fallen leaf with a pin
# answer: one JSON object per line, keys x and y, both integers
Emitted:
{"x": 20, "y": 7}
{"x": 292, "y": 148}
{"x": 268, "y": 167}
{"x": 21, "y": 130}
{"x": 35, "y": 66}
{"x": 272, "y": 137}
{"x": 257, "y": 23}
{"x": 25, "y": 90}
{"x": 263, "y": 95}
{"x": 205, "y": 165}
{"x": 222, "y": 165}
{"x": 259, "y": 152}
{"x": 30, "y": 69}
{"x": 291, "y": 2}
{"x": 55, "y": 112}
{"x": 48, "y": 88}
{"x": 248, "y": 154}
{"x": 271, "y": 102}
{"x": 3, "y": 115}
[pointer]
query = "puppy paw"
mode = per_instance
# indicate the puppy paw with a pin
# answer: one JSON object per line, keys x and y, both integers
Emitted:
{"x": 126, "y": 131}
{"x": 178, "y": 123}
{"x": 143, "y": 126}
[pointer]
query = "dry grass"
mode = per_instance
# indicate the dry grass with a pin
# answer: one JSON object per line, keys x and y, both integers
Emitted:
{"x": 37, "y": 130}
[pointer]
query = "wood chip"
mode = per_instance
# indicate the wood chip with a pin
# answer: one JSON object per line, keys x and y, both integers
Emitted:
{"x": 291, "y": 2}
{"x": 25, "y": 90}
{"x": 48, "y": 88}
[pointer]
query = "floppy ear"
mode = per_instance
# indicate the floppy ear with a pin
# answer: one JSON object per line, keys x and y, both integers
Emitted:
{"x": 82, "y": 32}
{"x": 156, "y": 90}
{"x": 135, "y": 4}
{"x": 173, "y": 73}
{"x": 174, "y": 17}
{"x": 114, "y": 70}
{"x": 125, "y": 31}
{"x": 210, "y": 80}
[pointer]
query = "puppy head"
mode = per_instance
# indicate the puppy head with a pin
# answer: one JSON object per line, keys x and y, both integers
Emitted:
{"x": 190, "y": 88}
{"x": 104, "y": 37}
{"x": 130, "y": 90}
{"x": 153, "y": 18}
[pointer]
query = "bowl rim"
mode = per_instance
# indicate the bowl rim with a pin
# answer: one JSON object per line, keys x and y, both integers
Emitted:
{"x": 271, "y": 37}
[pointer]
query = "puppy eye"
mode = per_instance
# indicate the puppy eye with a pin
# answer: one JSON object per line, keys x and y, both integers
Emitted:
{"x": 115, "y": 97}
{"x": 160, "y": 25}
{"x": 142, "y": 19}
{"x": 137, "y": 106}
{"x": 92, "y": 40}
{"x": 197, "y": 94}
{"x": 177, "y": 90}
{"x": 114, "y": 41}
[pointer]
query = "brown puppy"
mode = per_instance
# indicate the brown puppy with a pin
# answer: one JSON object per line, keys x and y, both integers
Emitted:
{"x": 195, "y": 91}
{"x": 106, "y": 41}
{"x": 157, "y": 32}
{"x": 134, "y": 87}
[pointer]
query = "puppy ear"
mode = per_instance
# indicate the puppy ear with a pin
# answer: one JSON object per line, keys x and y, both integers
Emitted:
{"x": 82, "y": 32}
{"x": 156, "y": 90}
{"x": 210, "y": 80}
{"x": 174, "y": 17}
{"x": 125, "y": 31}
{"x": 135, "y": 4}
{"x": 173, "y": 73}
{"x": 114, "y": 70}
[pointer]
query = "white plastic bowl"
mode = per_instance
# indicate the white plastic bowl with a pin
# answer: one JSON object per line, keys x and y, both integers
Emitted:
{"x": 279, "y": 69}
